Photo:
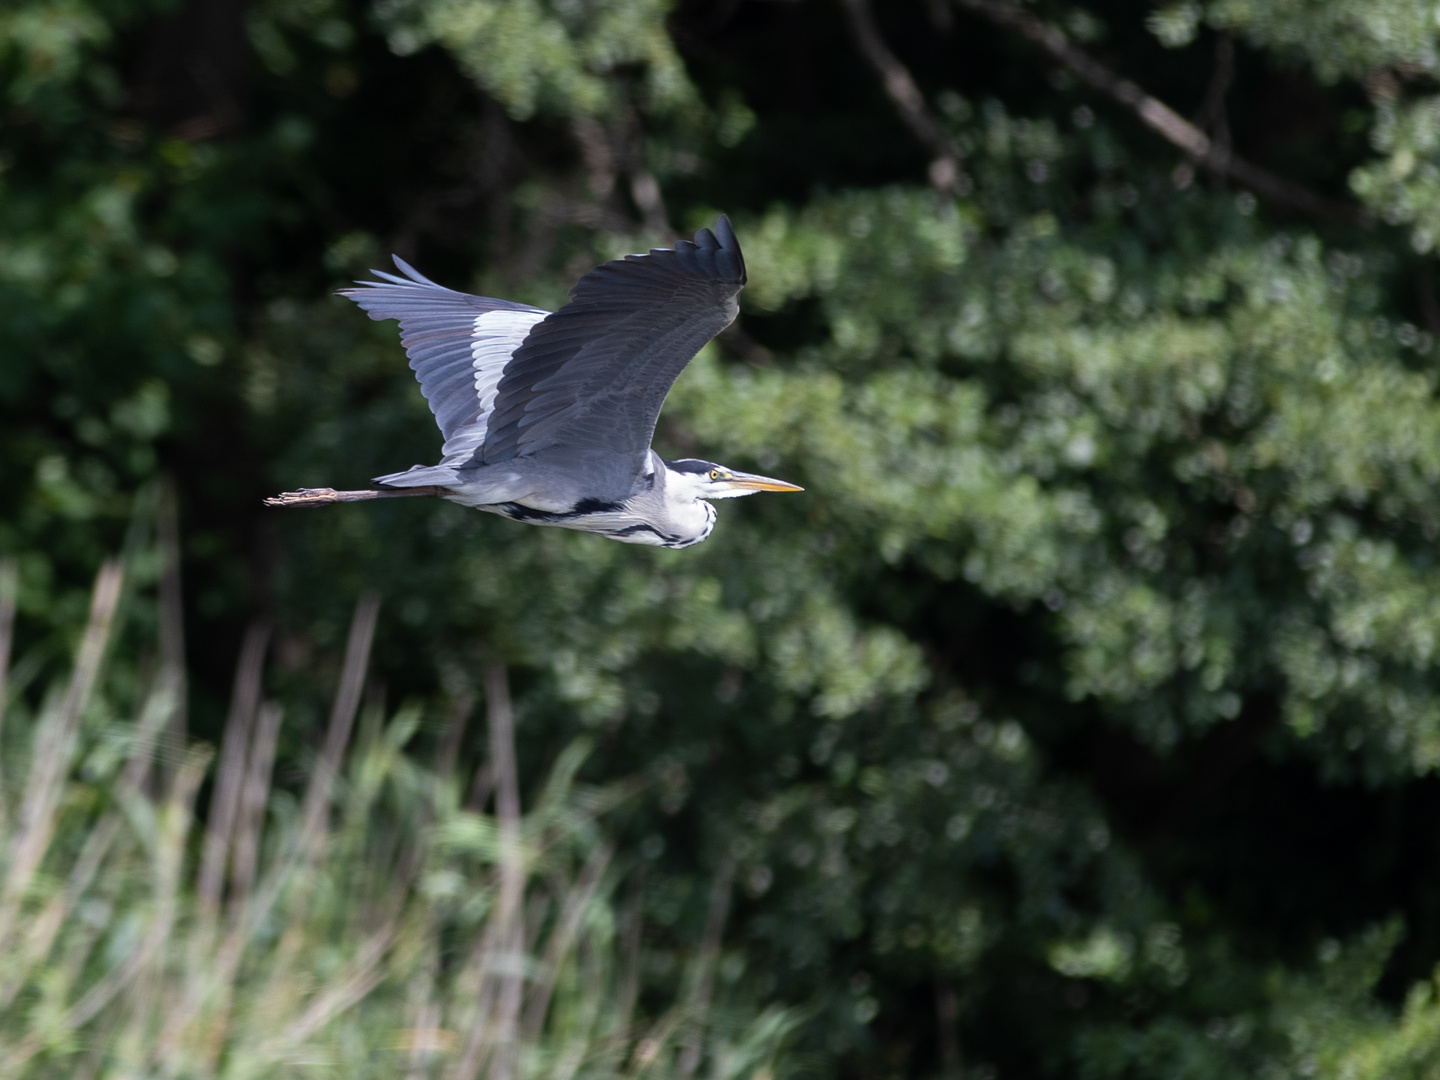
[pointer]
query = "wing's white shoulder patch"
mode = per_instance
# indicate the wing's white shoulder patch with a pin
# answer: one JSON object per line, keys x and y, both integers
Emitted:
{"x": 496, "y": 336}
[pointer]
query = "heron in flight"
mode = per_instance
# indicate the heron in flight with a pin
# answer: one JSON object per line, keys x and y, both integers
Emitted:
{"x": 548, "y": 417}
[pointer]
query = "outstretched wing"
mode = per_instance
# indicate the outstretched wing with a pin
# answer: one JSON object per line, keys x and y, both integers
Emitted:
{"x": 458, "y": 346}
{"x": 586, "y": 385}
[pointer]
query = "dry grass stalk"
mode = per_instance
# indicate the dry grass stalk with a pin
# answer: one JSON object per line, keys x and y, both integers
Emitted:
{"x": 709, "y": 954}
{"x": 9, "y": 597}
{"x": 449, "y": 748}
{"x": 254, "y": 794}
{"x": 172, "y": 617}
{"x": 230, "y": 771}
{"x": 54, "y": 744}
{"x": 481, "y": 789}
{"x": 315, "y": 813}
{"x": 501, "y": 985}
{"x": 512, "y": 870}
{"x": 359, "y": 977}
{"x": 174, "y": 826}
{"x": 43, "y": 928}
{"x": 241, "y": 789}
{"x": 423, "y": 1035}
{"x": 294, "y": 877}
{"x": 9, "y": 600}
{"x": 342, "y": 719}
{"x": 331, "y": 937}
{"x": 224, "y": 810}
{"x": 628, "y": 991}
{"x": 425, "y": 1038}
{"x": 216, "y": 997}
{"x": 577, "y": 902}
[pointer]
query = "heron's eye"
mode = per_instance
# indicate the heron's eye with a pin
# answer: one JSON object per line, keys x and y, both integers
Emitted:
{"x": 714, "y": 474}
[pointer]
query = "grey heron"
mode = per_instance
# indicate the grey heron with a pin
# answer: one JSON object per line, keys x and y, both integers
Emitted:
{"x": 548, "y": 417}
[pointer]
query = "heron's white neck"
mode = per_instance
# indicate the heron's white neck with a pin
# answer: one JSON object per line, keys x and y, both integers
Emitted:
{"x": 685, "y": 487}
{"x": 676, "y": 505}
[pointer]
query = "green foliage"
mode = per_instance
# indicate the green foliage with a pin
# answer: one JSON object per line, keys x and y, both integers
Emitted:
{"x": 561, "y": 57}
{"x": 1089, "y": 688}
{"x": 1337, "y": 38}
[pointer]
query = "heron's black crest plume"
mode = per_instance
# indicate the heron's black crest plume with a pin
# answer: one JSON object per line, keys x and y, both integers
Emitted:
{"x": 690, "y": 465}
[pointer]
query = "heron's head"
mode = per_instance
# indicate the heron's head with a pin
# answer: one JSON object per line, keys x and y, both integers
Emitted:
{"x": 706, "y": 480}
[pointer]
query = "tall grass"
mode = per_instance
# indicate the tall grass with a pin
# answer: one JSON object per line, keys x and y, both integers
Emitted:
{"x": 373, "y": 926}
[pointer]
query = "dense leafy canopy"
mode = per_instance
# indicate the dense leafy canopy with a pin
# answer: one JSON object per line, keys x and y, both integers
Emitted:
{"x": 1081, "y": 719}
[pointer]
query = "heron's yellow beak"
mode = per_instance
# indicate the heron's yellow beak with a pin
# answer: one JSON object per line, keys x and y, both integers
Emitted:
{"x": 741, "y": 481}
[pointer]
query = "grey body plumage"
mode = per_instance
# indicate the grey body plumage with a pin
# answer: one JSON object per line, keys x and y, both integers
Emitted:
{"x": 547, "y": 418}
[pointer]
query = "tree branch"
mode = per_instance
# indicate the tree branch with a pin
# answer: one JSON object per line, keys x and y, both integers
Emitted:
{"x": 1211, "y": 114}
{"x": 1160, "y": 118}
{"x": 947, "y": 172}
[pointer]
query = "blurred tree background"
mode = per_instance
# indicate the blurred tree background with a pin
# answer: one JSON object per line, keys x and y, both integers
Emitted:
{"x": 1081, "y": 719}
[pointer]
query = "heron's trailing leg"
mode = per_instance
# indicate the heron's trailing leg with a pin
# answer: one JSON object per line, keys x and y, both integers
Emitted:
{"x": 327, "y": 496}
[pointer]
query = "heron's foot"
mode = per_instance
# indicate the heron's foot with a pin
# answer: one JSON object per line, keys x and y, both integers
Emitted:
{"x": 305, "y": 497}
